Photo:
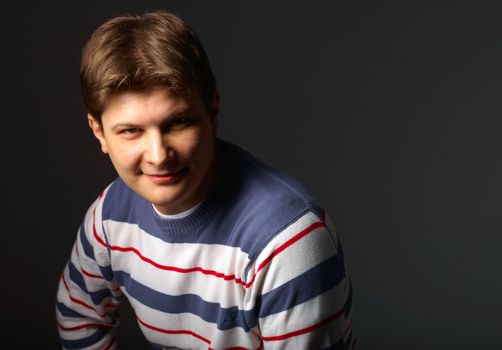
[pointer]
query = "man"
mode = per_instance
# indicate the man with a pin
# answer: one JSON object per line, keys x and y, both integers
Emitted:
{"x": 213, "y": 248}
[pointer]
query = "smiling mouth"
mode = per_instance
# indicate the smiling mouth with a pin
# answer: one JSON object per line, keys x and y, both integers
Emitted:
{"x": 167, "y": 178}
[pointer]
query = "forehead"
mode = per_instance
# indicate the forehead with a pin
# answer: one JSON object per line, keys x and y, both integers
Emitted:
{"x": 147, "y": 105}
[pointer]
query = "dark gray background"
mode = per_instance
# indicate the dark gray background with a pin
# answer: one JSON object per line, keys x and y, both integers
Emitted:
{"x": 389, "y": 111}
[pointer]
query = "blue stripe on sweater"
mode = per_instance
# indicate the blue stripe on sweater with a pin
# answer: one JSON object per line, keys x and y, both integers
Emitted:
{"x": 310, "y": 284}
{"x": 67, "y": 312}
{"x": 224, "y": 318}
{"x": 88, "y": 250}
{"x": 106, "y": 271}
{"x": 85, "y": 342}
{"x": 96, "y": 296}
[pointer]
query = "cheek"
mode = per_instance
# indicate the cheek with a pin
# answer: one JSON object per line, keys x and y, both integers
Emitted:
{"x": 190, "y": 146}
{"x": 125, "y": 157}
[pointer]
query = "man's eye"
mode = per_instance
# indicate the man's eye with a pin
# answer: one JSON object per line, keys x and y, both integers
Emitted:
{"x": 179, "y": 123}
{"x": 130, "y": 131}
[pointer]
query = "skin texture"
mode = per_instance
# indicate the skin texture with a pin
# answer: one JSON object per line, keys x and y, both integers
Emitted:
{"x": 162, "y": 145}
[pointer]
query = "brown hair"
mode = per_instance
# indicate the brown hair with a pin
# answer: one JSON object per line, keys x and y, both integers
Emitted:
{"x": 138, "y": 52}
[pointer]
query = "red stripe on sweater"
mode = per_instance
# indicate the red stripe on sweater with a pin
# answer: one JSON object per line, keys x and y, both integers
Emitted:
{"x": 84, "y": 272}
{"x": 168, "y": 331}
{"x": 193, "y": 334}
{"x": 82, "y": 326}
{"x": 78, "y": 301}
{"x": 304, "y": 330}
{"x": 94, "y": 231}
{"x": 177, "y": 269}
{"x": 88, "y": 274}
{"x": 290, "y": 242}
{"x": 285, "y": 245}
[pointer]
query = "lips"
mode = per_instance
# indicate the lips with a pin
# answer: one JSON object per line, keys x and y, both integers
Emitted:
{"x": 166, "y": 178}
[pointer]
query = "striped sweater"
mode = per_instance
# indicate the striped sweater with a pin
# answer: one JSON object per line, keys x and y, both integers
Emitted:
{"x": 257, "y": 265}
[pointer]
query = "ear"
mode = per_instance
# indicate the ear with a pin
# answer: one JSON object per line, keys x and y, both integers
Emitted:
{"x": 214, "y": 108}
{"x": 98, "y": 132}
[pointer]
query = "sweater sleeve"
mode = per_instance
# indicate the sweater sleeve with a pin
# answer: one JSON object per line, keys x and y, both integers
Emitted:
{"x": 301, "y": 289}
{"x": 88, "y": 295}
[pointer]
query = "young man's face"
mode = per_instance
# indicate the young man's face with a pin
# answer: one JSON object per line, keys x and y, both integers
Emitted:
{"x": 161, "y": 145}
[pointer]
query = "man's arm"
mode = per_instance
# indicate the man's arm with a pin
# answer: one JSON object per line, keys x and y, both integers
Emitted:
{"x": 87, "y": 294}
{"x": 302, "y": 289}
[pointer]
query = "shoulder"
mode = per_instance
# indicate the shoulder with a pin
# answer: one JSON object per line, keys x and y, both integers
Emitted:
{"x": 257, "y": 182}
{"x": 263, "y": 200}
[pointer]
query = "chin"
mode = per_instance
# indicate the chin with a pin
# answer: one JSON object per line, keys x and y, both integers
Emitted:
{"x": 167, "y": 200}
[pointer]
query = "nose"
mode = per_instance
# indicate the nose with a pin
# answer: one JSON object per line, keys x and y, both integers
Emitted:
{"x": 157, "y": 150}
